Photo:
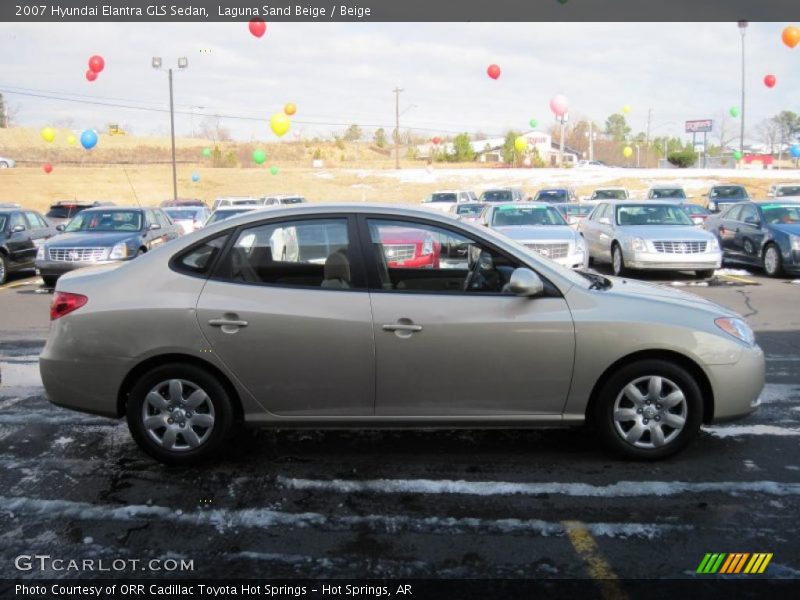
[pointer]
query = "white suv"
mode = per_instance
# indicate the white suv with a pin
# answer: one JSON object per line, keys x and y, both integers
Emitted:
{"x": 445, "y": 199}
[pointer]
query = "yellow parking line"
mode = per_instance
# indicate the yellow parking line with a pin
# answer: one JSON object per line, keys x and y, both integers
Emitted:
{"x": 740, "y": 279}
{"x": 20, "y": 283}
{"x": 599, "y": 569}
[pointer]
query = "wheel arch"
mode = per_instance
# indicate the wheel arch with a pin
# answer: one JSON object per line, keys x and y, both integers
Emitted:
{"x": 156, "y": 361}
{"x": 668, "y": 355}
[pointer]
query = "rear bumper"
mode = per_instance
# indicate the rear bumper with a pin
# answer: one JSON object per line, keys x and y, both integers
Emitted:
{"x": 65, "y": 383}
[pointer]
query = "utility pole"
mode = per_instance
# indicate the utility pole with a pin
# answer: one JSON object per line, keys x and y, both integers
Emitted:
{"x": 647, "y": 138}
{"x": 172, "y": 135}
{"x": 591, "y": 141}
{"x": 742, "y": 30}
{"x": 397, "y": 91}
{"x": 563, "y": 119}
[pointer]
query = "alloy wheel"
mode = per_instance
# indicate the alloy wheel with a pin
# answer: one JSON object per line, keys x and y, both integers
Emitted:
{"x": 771, "y": 261}
{"x": 178, "y": 415}
{"x": 650, "y": 412}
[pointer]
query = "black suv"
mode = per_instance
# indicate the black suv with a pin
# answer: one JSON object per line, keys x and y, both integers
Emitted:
{"x": 22, "y": 231}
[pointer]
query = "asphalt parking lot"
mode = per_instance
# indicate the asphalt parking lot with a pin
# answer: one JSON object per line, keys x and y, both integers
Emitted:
{"x": 512, "y": 504}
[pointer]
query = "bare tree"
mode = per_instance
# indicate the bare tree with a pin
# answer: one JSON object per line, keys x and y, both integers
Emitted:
{"x": 725, "y": 135}
{"x": 211, "y": 128}
{"x": 769, "y": 132}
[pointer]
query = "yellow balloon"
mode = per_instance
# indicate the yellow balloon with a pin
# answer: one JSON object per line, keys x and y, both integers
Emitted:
{"x": 521, "y": 144}
{"x": 72, "y": 140}
{"x": 626, "y": 109}
{"x": 48, "y": 134}
{"x": 628, "y": 152}
{"x": 279, "y": 124}
{"x": 290, "y": 109}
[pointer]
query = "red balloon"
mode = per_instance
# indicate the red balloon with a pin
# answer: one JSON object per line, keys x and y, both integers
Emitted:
{"x": 48, "y": 168}
{"x": 96, "y": 63}
{"x": 257, "y": 27}
{"x": 91, "y": 75}
{"x": 770, "y": 81}
{"x": 493, "y": 71}
{"x": 436, "y": 141}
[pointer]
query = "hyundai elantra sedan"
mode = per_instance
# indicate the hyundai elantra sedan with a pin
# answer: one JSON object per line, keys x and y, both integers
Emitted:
{"x": 221, "y": 327}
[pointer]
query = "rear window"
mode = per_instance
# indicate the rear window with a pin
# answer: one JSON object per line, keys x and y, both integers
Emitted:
{"x": 733, "y": 192}
{"x": 64, "y": 211}
{"x": 293, "y": 200}
{"x": 221, "y": 215}
{"x": 551, "y": 196}
{"x": 444, "y": 198}
{"x": 497, "y": 196}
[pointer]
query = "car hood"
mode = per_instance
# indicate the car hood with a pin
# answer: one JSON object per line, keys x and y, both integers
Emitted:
{"x": 632, "y": 288}
{"x": 91, "y": 240}
{"x": 666, "y": 232}
{"x": 523, "y": 233}
{"x": 791, "y": 228}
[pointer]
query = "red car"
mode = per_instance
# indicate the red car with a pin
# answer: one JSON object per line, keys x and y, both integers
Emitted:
{"x": 698, "y": 214}
{"x": 410, "y": 248}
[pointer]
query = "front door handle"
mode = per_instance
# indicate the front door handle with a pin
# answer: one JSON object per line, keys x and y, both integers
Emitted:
{"x": 226, "y": 323}
{"x": 402, "y": 327}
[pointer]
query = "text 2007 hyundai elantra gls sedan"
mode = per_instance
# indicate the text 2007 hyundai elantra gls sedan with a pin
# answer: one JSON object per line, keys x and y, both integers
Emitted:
{"x": 321, "y": 317}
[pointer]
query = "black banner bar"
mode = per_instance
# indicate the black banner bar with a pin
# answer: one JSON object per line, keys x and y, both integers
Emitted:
{"x": 400, "y": 10}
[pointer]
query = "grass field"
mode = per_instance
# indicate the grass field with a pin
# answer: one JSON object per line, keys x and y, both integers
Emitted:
{"x": 364, "y": 175}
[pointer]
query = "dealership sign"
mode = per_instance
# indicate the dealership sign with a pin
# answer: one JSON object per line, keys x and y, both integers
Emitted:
{"x": 702, "y": 126}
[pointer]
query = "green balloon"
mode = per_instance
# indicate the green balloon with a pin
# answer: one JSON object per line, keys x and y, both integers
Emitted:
{"x": 273, "y": 169}
{"x": 734, "y": 111}
{"x": 533, "y": 123}
{"x": 206, "y": 151}
{"x": 737, "y": 155}
{"x": 259, "y": 156}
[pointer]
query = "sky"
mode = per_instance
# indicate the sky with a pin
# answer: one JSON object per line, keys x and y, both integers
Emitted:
{"x": 341, "y": 73}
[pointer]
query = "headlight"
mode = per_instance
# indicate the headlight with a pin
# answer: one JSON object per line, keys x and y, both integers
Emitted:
{"x": 795, "y": 240}
{"x": 713, "y": 245}
{"x": 119, "y": 251}
{"x": 40, "y": 253}
{"x": 736, "y": 328}
{"x": 639, "y": 245}
{"x": 427, "y": 247}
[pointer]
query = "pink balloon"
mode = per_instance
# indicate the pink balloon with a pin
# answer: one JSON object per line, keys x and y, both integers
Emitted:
{"x": 559, "y": 105}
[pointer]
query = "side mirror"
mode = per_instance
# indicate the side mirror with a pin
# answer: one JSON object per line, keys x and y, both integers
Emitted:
{"x": 61, "y": 227}
{"x": 18, "y": 228}
{"x": 525, "y": 282}
{"x": 154, "y": 226}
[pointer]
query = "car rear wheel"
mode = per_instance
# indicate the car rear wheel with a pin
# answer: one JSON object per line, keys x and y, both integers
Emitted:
{"x": 618, "y": 261}
{"x": 704, "y": 273}
{"x": 179, "y": 414}
{"x": 3, "y": 164}
{"x": 3, "y": 268}
{"x": 773, "y": 265}
{"x": 649, "y": 410}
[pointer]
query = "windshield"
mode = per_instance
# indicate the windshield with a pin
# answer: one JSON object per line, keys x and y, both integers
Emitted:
{"x": 788, "y": 190}
{"x": 512, "y": 216}
{"x": 469, "y": 209}
{"x": 731, "y": 192}
{"x": 610, "y": 195}
{"x": 648, "y": 214}
{"x": 444, "y": 197}
{"x": 575, "y": 210}
{"x": 106, "y": 220}
{"x": 781, "y": 214}
{"x": 667, "y": 193}
{"x": 552, "y": 196}
{"x": 221, "y": 215}
{"x": 182, "y": 214}
{"x": 497, "y": 196}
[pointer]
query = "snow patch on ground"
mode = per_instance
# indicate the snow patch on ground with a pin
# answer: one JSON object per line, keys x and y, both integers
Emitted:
{"x": 780, "y": 392}
{"x": 740, "y": 430}
{"x": 502, "y": 488}
{"x": 19, "y": 374}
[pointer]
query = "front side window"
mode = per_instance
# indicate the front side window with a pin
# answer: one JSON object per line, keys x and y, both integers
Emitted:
{"x": 162, "y": 219}
{"x": 17, "y": 220}
{"x": 775, "y": 214}
{"x": 102, "y": 221}
{"x": 2, "y": 222}
{"x": 749, "y": 214}
{"x": 304, "y": 253}
{"x": 648, "y": 214}
{"x": 422, "y": 258}
{"x": 35, "y": 221}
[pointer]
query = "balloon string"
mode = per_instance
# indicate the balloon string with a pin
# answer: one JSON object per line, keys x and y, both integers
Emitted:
{"x": 130, "y": 183}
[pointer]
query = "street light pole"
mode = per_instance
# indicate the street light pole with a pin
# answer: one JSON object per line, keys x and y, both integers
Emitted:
{"x": 182, "y": 64}
{"x": 397, "y": 91}
{"x": 742, "y": 30}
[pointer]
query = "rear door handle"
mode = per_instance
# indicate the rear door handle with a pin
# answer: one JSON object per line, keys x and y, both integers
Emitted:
{"x": 226, "y": 323}
{"x": 401, "y": 327}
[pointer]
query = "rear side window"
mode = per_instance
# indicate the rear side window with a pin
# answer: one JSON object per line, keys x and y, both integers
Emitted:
{"x": 199, "y": 259}
{"x": 302, "y": 253}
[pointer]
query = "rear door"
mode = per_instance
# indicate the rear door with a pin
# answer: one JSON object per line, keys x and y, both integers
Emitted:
{"x": 40, "y": 229}
{"x": 294, "y": 329}
{"x": 750, "y": 235}
{"x": 728, "y": 228}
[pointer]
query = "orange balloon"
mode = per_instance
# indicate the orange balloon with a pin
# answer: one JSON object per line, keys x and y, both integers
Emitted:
{"x": 290, "y": 109}
{"x": 791, "y": 36}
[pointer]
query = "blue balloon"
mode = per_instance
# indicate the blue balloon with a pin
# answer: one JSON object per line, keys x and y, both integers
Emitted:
{"x": 796, "y": 150}
{"x": 89, "y": 139}
{"x": 195, "y": 177}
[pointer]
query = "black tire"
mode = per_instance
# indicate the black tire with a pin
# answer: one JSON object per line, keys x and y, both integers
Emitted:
{"x": 618, "y": 267}
{"x": 49, "y": 282}
{"x": 704, "y": 273}
{"x": 221, "y": 412}
{"x": 3, "y": 268}
{"x": 140, "y": 252}
{"x": 691, "y": 410}
{"x": 773, "y": 265}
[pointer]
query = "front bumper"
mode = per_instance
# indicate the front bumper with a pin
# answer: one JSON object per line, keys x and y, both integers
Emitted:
{"x": 737, "y": 386}
{"x": 675, "y": 262}
{"x": 56, "y": 268}
{"x": 576, "y": 260}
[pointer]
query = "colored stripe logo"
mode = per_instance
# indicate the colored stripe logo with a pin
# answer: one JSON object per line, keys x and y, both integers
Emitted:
{"x": 734, "y": 563}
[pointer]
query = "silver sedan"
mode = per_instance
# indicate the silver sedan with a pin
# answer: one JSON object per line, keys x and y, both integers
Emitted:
{"x": 215, "y": 329}
{"x": 649, "y": 235}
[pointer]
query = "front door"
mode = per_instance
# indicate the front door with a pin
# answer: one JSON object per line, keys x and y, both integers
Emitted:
{"x": 450, "y": 340}
{"x": 294, "y": 328}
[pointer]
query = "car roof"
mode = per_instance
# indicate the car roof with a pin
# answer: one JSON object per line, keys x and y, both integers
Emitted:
{"x": 119, "y": 208}
{"x": 499, "y": 205}
{"x": 239, "y": 207}
{"x": 667, "y": 186}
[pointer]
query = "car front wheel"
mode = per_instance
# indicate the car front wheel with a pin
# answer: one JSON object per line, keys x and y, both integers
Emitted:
{"x": 704, "y": 273}
{"x": 649, "y": 410}
{"x": 772, "y": 261}
{"x": 618, "y": 261}
{"x": 3, "y": 269}
{"x": 179, "y": 414}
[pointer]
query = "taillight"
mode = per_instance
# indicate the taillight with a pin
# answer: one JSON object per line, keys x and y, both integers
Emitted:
{"x": 64, "y": 303}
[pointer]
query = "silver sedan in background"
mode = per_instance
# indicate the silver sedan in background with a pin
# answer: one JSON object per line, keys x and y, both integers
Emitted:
{"x": 215, "y": 329}
{"x": 649, "y": 235}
